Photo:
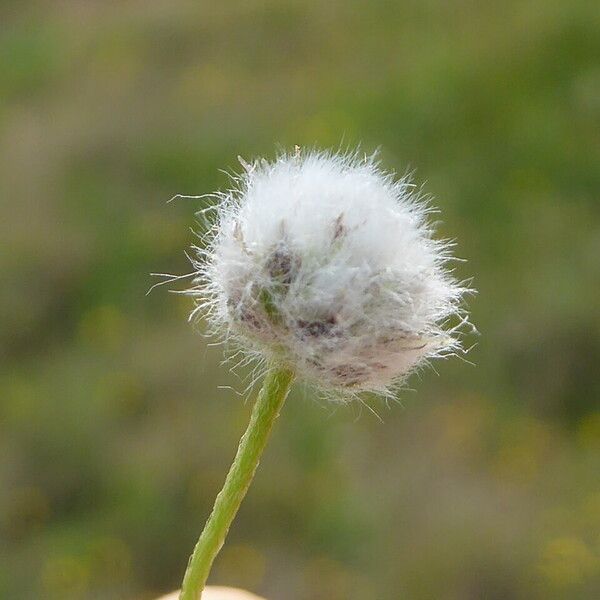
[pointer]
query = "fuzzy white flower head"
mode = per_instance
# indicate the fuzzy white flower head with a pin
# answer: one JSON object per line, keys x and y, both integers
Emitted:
{"x": 327, "y": 264}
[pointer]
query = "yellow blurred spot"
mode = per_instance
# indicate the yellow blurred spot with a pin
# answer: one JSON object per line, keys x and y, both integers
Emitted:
{"x": 20, "y": 403}
{"x": 103, "y": 327}
{"x": 521, "y": 454}
{"x": 555, "y": 518}
{"x": 590, "y": 512}
{"x": 110, "y": 558}
{"x": 462, "y": 426}
{"x": 517, "y": 464}
{"x": 567, "y": 561}
{"x": 65, "y": 577}
{"x": 588, "y": 432}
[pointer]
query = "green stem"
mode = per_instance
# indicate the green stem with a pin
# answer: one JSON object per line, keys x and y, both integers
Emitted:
{"x": 266, "y": 409}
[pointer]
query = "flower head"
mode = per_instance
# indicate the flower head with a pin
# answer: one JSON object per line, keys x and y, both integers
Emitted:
{"x": 327, "y": 264}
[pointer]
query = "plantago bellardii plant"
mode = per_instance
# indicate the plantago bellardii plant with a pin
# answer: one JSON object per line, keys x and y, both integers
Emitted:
{"x": 324, "y": 267}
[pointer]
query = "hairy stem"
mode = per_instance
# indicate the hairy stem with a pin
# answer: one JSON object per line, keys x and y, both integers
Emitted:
{"x": 266, "y": 409}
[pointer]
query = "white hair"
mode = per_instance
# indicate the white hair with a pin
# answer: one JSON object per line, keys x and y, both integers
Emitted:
{"x": 327, "y": 264}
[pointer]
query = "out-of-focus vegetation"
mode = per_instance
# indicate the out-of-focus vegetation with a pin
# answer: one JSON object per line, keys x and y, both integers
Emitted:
{"x": 114, "y": 434}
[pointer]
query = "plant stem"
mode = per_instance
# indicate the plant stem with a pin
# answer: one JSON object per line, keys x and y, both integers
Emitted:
{"x": 266, "y": 409}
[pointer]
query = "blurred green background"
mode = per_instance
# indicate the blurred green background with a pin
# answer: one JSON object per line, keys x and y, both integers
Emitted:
{"x": 114, "y": 433}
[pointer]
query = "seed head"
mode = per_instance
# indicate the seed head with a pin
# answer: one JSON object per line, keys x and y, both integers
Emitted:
{"x": 327, "y": 264}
